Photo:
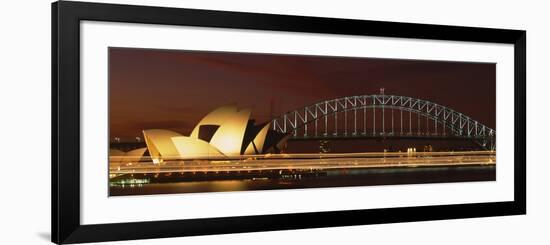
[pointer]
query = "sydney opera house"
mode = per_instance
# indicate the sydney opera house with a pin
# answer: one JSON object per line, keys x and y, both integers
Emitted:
{"x": 225, "y": 133}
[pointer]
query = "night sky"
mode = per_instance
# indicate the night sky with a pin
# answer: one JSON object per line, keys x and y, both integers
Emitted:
{"x": 172, "y": 89}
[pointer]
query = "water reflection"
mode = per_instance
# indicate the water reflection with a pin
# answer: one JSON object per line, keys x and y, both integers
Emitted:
{"x": 334, "y": 178}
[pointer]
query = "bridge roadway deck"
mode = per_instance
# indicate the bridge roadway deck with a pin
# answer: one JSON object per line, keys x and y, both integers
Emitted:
{"x": 311, "y": 162}
{"x": 359, "y": 136}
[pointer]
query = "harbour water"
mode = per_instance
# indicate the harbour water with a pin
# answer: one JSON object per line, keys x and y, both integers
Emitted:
{"x": 172, "y": 183}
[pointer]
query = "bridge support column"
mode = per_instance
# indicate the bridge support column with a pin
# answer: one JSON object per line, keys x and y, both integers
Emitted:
{"x": 316, "y": 127}
{"x": 355, "y": 121}
{"x": 373, "y": 121}
{"x": 335, "y": 133}
{"x": 392, "y": 130}
{"x": 383, "y": 122}
{"x": 345, "y": 122}
{"x": 326, "y": 125}
{"x": 418, "y": 125}
{"x": 427, "y": 126}
{"x": 365, "y": 119}
{"x": 305, "y": 126}
{"x": 401, "y": 118}
{"x": 435, "y": 125}
{"x": 410, "y": 123}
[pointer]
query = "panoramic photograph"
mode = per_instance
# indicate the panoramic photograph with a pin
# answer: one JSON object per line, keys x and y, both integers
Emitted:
{"x": 183, "y": 121}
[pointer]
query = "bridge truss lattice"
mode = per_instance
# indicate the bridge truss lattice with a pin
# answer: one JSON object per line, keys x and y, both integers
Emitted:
{"x": 381, "y": 115}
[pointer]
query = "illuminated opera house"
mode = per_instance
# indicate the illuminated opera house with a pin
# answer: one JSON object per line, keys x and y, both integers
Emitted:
{"x": 226, "y": 132}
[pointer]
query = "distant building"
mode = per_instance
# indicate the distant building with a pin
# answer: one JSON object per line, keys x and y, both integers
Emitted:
{"x": 324, "y": 146}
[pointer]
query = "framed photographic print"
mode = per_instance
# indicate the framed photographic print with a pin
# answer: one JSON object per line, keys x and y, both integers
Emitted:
{"x": 176, "y": 122}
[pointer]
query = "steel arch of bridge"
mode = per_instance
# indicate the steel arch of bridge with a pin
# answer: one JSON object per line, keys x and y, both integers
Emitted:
{"x": 458, "y": 124}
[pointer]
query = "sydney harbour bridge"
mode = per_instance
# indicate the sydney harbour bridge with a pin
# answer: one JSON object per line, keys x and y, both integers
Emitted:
{"x": 382, "y": 116}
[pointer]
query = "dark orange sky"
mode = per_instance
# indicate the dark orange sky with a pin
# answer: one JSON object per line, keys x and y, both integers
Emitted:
{"x": 174, "y": 89}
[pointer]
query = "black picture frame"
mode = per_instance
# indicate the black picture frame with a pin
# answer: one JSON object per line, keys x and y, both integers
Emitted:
{"x": 66, "y": 18}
